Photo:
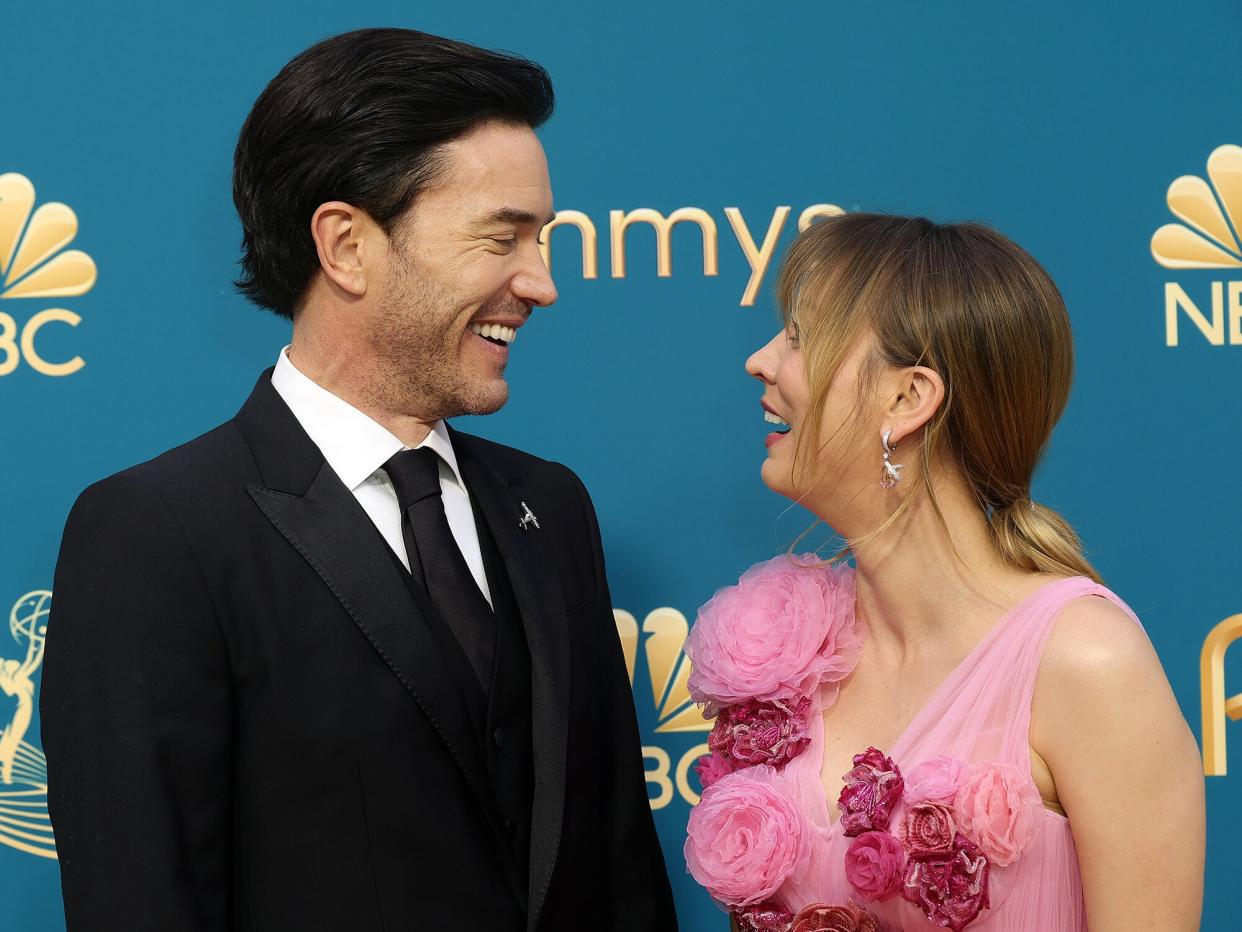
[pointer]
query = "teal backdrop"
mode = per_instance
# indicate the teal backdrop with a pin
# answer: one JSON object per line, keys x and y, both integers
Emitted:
{"x": 1063, "y": 124}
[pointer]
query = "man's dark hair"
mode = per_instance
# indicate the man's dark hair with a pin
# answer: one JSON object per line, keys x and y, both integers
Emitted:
{"x": 360, "y": 118}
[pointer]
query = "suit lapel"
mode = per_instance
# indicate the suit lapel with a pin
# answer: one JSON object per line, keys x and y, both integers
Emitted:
{"x": 307, "y": 502}
{"x": 538, "y": 594}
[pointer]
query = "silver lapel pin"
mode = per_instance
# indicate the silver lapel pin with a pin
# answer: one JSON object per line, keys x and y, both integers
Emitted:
{"x": 528, "y": 518}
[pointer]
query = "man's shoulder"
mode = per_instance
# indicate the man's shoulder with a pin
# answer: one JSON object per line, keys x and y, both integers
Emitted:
{"x": 184, "y": 472}
{"x": 514, "y": 464}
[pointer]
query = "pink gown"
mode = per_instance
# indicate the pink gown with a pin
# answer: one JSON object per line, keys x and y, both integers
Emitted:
{"x": 981, "y": 713}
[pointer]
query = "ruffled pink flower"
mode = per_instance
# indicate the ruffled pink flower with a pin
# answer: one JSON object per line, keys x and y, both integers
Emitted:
{"x": 936, "y": 780}
{"x": 762, "y": 732}
{"x": 746, "y": 837}
{"x": 873, "y": 865}
{"x": 928, "y": 829}
{"x": 872, "y": 788}
{"x": 784, "y": 629}
{"x": 763, "y": 917}
{"x": 1000, "y": 809}
{"x": 821, "y": 917}
{"x": 711, "y": 767}
{"x": 951, "y": 889}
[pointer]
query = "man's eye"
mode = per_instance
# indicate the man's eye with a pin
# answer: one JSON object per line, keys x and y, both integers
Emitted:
{"x": 510, "y": 242}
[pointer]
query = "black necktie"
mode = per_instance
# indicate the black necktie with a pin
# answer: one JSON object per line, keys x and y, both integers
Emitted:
{"x": 436, "y": 561}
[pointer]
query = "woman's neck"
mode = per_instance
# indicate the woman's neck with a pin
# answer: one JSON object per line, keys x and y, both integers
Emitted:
{"x": 925, "y": 581}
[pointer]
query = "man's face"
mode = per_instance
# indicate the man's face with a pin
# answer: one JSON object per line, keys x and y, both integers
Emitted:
{"x": 464, "y": 272}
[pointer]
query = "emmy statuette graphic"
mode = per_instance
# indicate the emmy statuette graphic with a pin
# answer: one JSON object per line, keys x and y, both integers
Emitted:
{"x": 24, "y": 822}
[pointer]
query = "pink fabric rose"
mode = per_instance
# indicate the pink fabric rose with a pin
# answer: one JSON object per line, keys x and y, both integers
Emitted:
{"x": 710, "y": 768}
{"x": 764, "y": 917}
{"x": 999, "y": 808}
{"x": 951, "y": 889}
{"x": 762, "y": 732}
{"x": 873, "y": 865}
{"x": 927, "y": 829}
{"x": 872, "y": 788}
{"x": 936, "y": 780}
{"x": 745, "y": 837}
{"x": 821, "y": 917}
{"x": 784, "y": 629}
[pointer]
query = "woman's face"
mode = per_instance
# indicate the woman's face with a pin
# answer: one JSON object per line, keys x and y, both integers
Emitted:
{"x": 836, "y": 469}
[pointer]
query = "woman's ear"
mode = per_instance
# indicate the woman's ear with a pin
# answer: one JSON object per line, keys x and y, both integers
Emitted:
{"x": 343, "y": 237}
{"x": 920, "y": 393}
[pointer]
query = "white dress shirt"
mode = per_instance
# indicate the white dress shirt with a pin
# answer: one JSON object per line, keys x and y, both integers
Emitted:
{"x": 356, "y": 448}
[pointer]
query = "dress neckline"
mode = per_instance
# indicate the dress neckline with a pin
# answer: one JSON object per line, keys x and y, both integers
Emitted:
{"x": 896, "y": 749}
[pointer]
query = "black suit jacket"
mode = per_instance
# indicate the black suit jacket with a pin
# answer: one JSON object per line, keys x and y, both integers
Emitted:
{"x": 249, "y": 725}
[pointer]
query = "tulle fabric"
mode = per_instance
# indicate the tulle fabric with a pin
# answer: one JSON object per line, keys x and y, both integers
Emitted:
{"x": 981, "y": 713}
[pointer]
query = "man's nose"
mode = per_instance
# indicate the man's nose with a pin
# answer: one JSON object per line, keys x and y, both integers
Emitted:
{"x": 533, "y": 284}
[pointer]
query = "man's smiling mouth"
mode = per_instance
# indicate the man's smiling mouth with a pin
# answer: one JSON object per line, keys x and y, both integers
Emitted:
{"x": 495, "y": 333}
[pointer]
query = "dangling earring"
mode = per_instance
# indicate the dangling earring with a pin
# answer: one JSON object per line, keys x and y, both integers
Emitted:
{"x": 892, "y": 471}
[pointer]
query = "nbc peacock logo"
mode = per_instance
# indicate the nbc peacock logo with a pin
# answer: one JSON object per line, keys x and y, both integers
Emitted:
{"x": 1209, "y": 237}
{"x": 663, "y": 639}
{"x": 34, "y": 263}
{"x": 24, "y": 821}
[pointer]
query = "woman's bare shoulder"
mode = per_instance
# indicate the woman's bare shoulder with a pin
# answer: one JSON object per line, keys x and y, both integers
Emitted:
{"x": 1101, "y": 686}
{"x": 1096, "y": 645}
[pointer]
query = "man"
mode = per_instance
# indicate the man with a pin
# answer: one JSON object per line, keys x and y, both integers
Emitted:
{"x": 334, "y": 665}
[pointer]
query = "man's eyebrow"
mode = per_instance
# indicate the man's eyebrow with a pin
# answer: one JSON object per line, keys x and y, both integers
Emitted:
{"x": 518, "y": 217}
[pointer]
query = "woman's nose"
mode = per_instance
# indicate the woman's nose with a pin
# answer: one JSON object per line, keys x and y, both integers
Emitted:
{"x": 762, "y": 362}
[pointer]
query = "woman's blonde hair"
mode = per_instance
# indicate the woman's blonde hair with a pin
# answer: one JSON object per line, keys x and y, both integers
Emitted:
{"x": 974, "y": 307}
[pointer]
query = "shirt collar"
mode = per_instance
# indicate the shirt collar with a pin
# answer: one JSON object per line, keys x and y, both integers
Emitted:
{"x": 354, "y": 445}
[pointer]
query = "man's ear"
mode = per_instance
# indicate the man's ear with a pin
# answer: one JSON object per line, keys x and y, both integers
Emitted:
{"x": 920, "y": 393}
{"x": 347, "y": 241}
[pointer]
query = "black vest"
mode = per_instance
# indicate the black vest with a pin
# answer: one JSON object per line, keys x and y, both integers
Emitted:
{"x": 508, "y": 731}
{"x": 502, "y": 716}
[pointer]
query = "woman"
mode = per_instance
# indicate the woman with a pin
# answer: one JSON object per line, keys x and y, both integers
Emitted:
{"x": 1013, "y": 756}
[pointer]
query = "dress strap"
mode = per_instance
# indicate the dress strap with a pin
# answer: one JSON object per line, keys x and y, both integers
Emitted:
{"x": 982, "y": 711}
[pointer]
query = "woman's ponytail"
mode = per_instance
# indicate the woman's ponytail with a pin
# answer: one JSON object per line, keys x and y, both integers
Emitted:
{"x": 1033, "y": 537}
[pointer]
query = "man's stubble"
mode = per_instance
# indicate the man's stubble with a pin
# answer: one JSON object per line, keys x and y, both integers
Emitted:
{"x": 415, "y": 340}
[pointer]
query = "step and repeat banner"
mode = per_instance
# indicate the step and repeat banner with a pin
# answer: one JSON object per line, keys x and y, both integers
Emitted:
{"x": 691, "y": 142}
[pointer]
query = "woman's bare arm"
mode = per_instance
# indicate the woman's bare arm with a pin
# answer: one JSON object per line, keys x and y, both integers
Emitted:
{"x": 1127, "y": 771}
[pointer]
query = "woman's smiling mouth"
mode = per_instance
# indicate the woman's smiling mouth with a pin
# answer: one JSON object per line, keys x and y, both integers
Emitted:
{"x": 773, "y": 418}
